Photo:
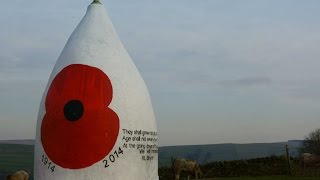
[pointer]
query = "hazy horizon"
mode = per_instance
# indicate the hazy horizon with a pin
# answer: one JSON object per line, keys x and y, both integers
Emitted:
{"x": 217, "y": 71}
{"x": 16, "y": 141}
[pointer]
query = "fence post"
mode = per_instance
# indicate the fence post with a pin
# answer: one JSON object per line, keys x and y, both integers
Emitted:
{"x": 172, "y": 167}
{"x": 288, "y": 160}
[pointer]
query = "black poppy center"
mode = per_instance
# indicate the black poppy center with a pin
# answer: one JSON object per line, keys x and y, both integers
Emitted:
{"x": 73, "y": 110}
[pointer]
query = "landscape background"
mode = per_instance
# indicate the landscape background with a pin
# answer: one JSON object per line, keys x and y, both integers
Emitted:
{"x": 231, "y": 72}
{"x": 18, "y": 154}
{"x": 217, "y": 71}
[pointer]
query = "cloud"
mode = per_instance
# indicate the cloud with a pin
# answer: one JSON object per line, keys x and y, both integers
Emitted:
{"x": 200, "y": 54}
{"x": 246, "y": 82}
{"x": 221, "y": 58}
{"x": 305, "y": 95}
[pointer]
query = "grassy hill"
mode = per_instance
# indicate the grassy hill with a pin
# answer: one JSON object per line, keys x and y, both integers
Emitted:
{"x": 15, "y": 156}
{"x": 226, "y": 152}
{"x": 20, "y": 141}
{"x": 265, "y": 178}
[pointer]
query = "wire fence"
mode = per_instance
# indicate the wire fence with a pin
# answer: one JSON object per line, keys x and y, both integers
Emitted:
{"x": 226, "y": 160}
{"x": 235, "y": 161}
{"x": 226, "y": 152}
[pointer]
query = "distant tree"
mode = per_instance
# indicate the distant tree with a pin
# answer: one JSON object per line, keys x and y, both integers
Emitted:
{"x": 311, "y": 143}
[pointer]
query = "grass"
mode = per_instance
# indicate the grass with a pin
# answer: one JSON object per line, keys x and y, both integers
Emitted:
{"x": 267, "y": 178}
{"x": 14, "y": 157}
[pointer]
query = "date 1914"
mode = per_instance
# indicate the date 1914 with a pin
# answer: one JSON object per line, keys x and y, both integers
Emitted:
{"x": 112, "y": 157}
{"x": 46, "y": 162}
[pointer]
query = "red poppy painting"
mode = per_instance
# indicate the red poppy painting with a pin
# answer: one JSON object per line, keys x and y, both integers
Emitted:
{"x": 79, "y": 128}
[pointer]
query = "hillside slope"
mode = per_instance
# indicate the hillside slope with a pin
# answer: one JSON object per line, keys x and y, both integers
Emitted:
{"x": 226, "y": 152}
{"x": 15, "y": 155}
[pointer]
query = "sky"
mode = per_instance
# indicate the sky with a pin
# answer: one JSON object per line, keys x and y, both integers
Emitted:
{"x": 218, "y": 71}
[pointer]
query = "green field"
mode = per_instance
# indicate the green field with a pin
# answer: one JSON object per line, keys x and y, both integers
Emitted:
{"x": 15, "y": 157}
{"x": 226, "y": 152}
{"x": 267, "y": 178}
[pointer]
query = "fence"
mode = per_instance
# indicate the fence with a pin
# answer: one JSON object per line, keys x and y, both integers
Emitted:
{"x": 216, "y": 160}
{"x": 280, "y": 161}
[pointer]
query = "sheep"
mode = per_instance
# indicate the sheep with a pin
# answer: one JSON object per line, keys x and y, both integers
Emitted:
{"x": 19, "y": 175}
{"x": 187, "y": 165}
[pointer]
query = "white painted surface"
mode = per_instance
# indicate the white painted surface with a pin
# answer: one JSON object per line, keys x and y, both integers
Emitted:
{"x": 95, "y": 43}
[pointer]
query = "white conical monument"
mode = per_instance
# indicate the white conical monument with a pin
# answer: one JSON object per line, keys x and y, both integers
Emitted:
{"x": 96, "y": 120}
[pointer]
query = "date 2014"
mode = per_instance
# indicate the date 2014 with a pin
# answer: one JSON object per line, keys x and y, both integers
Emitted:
{"x": 112, "y": 157}
{"x": 46, "y": 162}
